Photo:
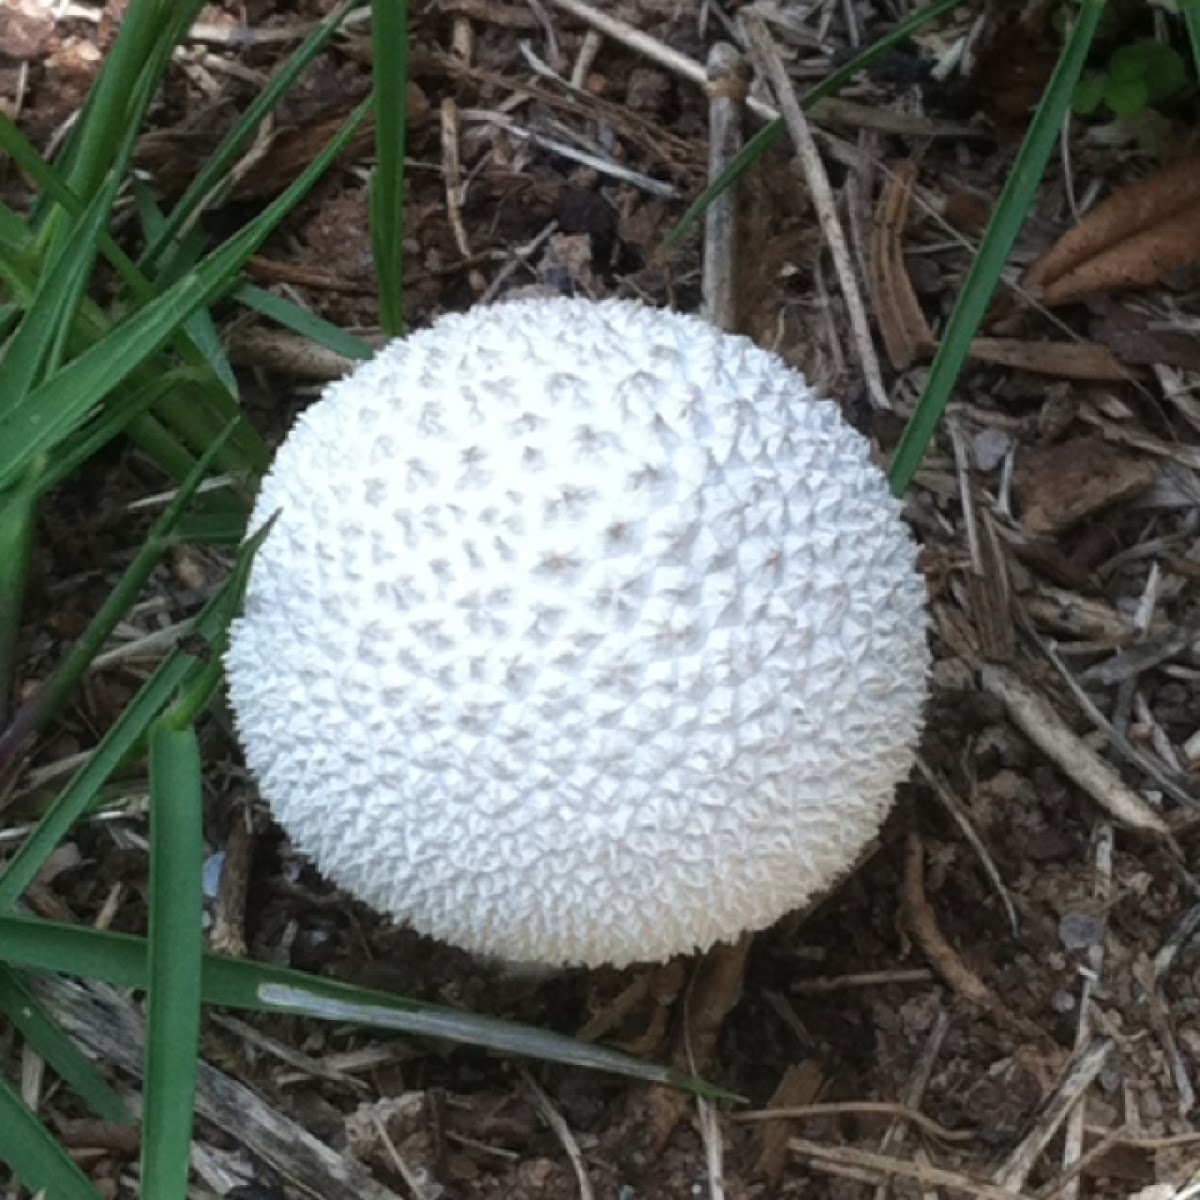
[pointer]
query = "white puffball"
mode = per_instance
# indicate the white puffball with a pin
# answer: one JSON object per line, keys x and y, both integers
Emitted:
{"x": 586, "y": 634}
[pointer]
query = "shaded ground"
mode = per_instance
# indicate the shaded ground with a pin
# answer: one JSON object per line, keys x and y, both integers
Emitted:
{"x": 1008, "y": 915}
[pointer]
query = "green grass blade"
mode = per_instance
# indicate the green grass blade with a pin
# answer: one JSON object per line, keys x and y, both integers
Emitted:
{"x": 300, "y": 320}
{"x": 36, "y": 1159}
{"x": 116, "y": 417}
{"x": 389, "y": 40}
{"x": 21, "y": 150}
{"x": 65, "y": 1058}
{"x": 1016, "y": 196}
{"x": 15, "y": 243}
{"x": 126, "y": 82}
{"x": 832, "y": 83}
{"x": 61, "y": 287}
{"x": 1191, "y": 20}
{"x": 208, "y": 180}
{"x": 120, "y": 959}
{"x": 174, "y": 958}
{"x": 40, "y": 708}
{"x": 125, "y": 735}
{"x": 212, "y": 529}
{"x": 199, "y": 327}
{"x": 18, "y": 512}
{"x": 53, "y": 410}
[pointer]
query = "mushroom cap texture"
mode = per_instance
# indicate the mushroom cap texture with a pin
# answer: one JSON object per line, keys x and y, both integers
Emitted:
{"x": 586, "y": 634}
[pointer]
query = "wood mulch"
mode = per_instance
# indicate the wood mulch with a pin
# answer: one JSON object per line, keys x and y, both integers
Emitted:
{"x": 1003, "y": 1000}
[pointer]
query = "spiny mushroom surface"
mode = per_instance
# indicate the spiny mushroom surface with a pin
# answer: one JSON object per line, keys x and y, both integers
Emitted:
{"x": 586, "y": 634}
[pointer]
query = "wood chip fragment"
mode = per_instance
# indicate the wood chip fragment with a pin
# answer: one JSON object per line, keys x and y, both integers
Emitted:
{"x": 902, "y": 325}
{"x": 799, "y": 1085}
{"x": 1068, "y": 614}
{"x": 1133, "y": 239}
{"x": 1039, "y": 722}
{"x": 109, "y": 1026}
{"x": 1060, "y": 484}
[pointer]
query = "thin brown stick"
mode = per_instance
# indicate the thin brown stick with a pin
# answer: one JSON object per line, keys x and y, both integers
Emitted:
{"x": 899, "y": 1127}
{"x": 1073, "y": 1140}
{"x": 882, "y": 1166}
{"x": 941, "y": 789}
{"x": 1035, "y": 717}
{"x": 726, "y": 96}
{"x": 832, "y": 109}
{"x": 562, "y": 1131}
{"x": 859, "y": 1108}
{"x": 766, "y": 58}
{"x": 452, "y": 172}
{"x": 921, "y": 922}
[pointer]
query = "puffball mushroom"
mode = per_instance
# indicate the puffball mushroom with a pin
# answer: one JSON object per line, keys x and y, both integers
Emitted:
{"x": 586, "y": 634}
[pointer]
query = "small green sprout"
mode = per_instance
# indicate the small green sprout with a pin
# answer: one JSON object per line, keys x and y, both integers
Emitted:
{"x": 1138, "y": 76}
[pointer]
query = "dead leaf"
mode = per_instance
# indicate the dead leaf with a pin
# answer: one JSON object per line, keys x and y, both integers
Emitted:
{"x": 1141, "y": 232}
{"x": 1063, "y": 360}
{"x": 1134, "y": 340}
{"x": 968, "y": 210}
{"x": 906, "y": 333}
{"x": 1061, "y": 484}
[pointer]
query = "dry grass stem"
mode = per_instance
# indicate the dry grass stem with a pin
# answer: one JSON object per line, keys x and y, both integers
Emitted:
{"x": 959, "y": 815}
{"x": 862, "y": 1108}
{"x": 597, "y": 162}
{"x": 562, "y": 1131}
{"x": 452, "y": 173}
{"x": 1078, "y": 1076}
{"x": 1042, "y": 725}
{"x": 861, "y": 979}
{"x": 1120, "y": 743}
{"x": 883, "y": 1167}
{"x": 1074, "y": 1138}
{"x": 897, "y": 1131}
{"x": 709, "y": 1124}
{"x": 766, "y": 58}
{"x": 412, "y": 1181}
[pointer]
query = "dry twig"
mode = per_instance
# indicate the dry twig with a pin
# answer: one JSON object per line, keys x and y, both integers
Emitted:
{"x": 921, "y": 922}
{"x": 883, "y": 1167}
{"x": 1073, "y": 1141}
{"x": 562, "y": 1131}
{"x": 766, "y": 58}
{"x": 1078, "y": 1076}
{"x": 1039, "y": 722}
